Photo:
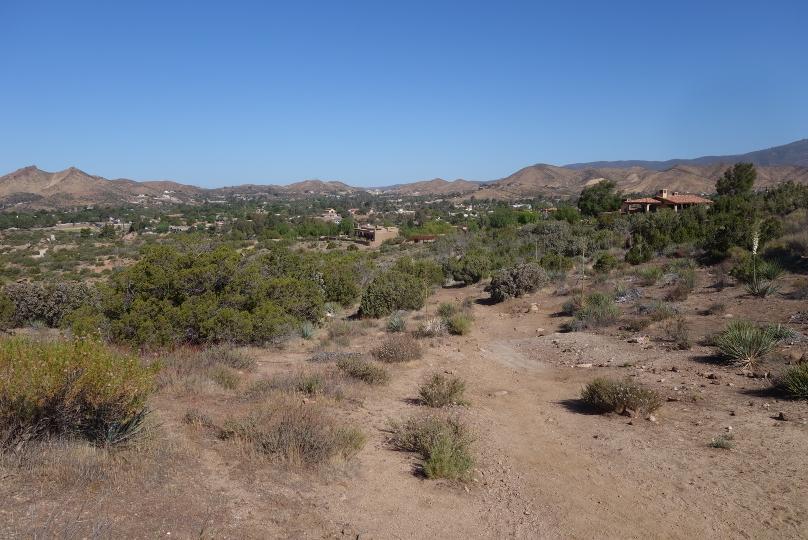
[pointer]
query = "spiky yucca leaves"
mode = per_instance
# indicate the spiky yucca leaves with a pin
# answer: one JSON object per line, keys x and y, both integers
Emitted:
{"x": 745, "y": 344}
{"x": 795, "y": 382}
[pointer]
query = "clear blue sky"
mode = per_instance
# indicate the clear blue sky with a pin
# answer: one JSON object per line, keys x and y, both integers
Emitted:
{"x": 381, "y": 92}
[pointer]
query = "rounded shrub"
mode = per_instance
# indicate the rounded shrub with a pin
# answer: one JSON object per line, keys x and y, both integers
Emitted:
{"x": 391, "y": 291}
{"x": 518, "y": 281}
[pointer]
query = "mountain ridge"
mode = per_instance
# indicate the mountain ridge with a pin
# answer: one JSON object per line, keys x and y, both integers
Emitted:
{"x": 793, "y": 154}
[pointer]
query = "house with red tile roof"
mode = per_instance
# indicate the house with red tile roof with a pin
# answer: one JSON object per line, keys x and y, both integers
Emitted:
{"x": 662, "y": 200}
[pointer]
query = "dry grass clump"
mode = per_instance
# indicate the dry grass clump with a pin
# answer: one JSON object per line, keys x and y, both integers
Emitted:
{"x": 608, "y": 395}
{"x": 800, "y": 287}
{"x": 398, "y": 348}
{"x": 333, "y": 356}
{"x": 439, "y": 391}
{"x": 189, "y": 371}
{"x": 433, "y": 327}
{"x": 442, "y": 440}
{"x": 71, "y": 389}
{"x": 297, "y": 435}
{"x": 341, "y": 332}
{"x": 597, "y": 310}
{"x": 364, "y": 370}
{"x": 716, "y": 308}
{"x": 328, "y": 383}
{"x": 678, "y": 332}
{"x": 657, "y": 310}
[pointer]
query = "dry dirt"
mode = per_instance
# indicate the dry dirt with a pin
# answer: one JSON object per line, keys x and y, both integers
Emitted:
{"x": 546, "y": 466}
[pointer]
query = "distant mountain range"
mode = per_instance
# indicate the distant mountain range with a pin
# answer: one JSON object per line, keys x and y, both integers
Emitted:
{"x": 794, "y": 154}
{"x": 31, "y": 187}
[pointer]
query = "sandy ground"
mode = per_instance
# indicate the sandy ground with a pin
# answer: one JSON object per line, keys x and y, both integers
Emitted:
{"x": 546, "y": 467}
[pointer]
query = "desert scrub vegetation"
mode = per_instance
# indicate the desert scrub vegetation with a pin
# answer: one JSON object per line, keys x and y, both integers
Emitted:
{"x": 433, "y": 327}
{"x": 794, "y": 382}
{"x": 440, "y": 390}
{"x": 398, "y": 348}
{"x": 657, "y": 310}
{"x": 459, "y": 324}
{"x": 648, "y": 276}
{"x": 397, "y": 322}
{"x": 744, "y": 344}
{"x": 516, "y": 282}
{"x": 362, "y": 369}
{"x": 443, "y": 441}
{"x": 724, "y": 442}
{"x": 596, "y": 310}
{"x": 678, "y": 332}
{"x": 392, "y": 291}
{"x": 295, "y": 434}
{"x": 327, "y": 382}
{"x": 608, "y": 395}
{"x": 71, "y": 389}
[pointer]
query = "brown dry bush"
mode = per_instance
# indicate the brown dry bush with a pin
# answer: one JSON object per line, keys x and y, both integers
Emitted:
{"x": 398, "y": 348}
{"x": 364, "y": 370}
{"x": 607, "y": 395}
{"x": 296, "y": 434}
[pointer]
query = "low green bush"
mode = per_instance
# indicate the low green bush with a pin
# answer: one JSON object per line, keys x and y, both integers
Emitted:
{"x": 608, "y": 395}
{"x": 447, "y": 309}
{"x": 597, "y": 310}
{"x": 443, "y": 441}
{"x": 638, "y": 254}
{"x": 794, "y": 383}
{"x": 70, "y": 389}
{"x": 459, "y": 324}
{"x": 605, "y": 263}
{"x": 439, "y": 391}
{"x": 648, "y": 276}
{"x": 396, "y": 323}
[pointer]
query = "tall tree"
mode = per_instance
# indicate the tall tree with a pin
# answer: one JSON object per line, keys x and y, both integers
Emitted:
{"x": 599, "y": 198}
{"x": 737, "y": 180}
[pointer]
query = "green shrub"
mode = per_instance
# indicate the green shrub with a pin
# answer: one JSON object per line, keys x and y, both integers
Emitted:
{"x": 398, "y": 348}
{"x": 459, "y": 324}
{"x": 396, "y": 323}
{"x": 392, "y": 291}
{"x": 556, "y": 262}
{"x": 297, "y": 435}
{"x": 447, "y": 309}
{"x": 649, "y": 275}
{"x": 472, "y": 267}
{"x": 307, "y": 330}
{"x": 598, "y": 310}
{"x": 794, "y": 383}
{"x": 638, "y": 254}
{"x": 605, "y": 263}
{"x": 364, "y": 370}
{"x": 518, "y": 281}
{"x": 725, "y": 442}
{"x": 744, "y": 343}
{"x": 71, "y": 389}
{"x": 758, "y": 275}
{"x": 49, "y": 302}
{"x": 608, "y": 395}
{"x": 442, "y": 441}
{"x": 439, "y": 391}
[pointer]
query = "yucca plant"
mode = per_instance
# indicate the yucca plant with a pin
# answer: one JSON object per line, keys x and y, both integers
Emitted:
{"x": 795, "y": 382}
{"x": 744, "y": 343}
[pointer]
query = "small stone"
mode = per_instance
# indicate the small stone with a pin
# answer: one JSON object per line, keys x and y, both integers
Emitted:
{"x": 729, "y": 316}
{"x": 782, "y": 416}
{"x": 583, "y": 365}
{"x": 713, "y": 376}
{"x": 732, "y": 413}
{"x": 527, "y": 512}
{"x": 729, "y": 428}
{"x": 539, "y": 329}
{"x": 651, "y": 418}
{"x": 630, "y": 413}
{"x": 499, "y": 393}
{"x": 534, "y": 307}
{"x": 632, "y": 423}
{"x": 639, "y": 339}
{"x": 675, "y": 369}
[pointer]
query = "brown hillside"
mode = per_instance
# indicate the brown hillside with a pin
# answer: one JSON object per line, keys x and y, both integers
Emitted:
{"x": 438, "y": 186}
